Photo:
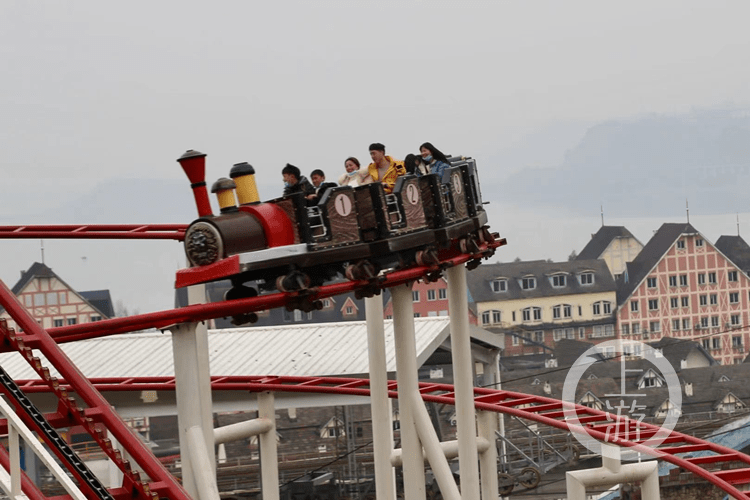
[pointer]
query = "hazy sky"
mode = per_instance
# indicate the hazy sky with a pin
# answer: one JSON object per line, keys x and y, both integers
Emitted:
{"x": 93, "y": 92}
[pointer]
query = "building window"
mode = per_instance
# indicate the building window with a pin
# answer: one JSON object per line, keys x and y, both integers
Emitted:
{"x": 350, "y": 310}
{"x": 732, "y": 275}
{"x": 704, "y": 322}
{"x": 737, "y": 341}
{"x": 712, "y": 278}
{"x": 581, "y": 332}
{"x": 52, "y": 298}
{"x": 713, "y": 299}
{"x": 430, "y": 295}
{"x": 651, "y": 282}
{"x": 673, "y": 281}
{"x": 57, "y": 322}
{"x": 686, "y": 323}
{"x": 567, "y": 311}
{"x": 702, "y": 279}
{"x": 442, "y": 294}
{"x": 539, "y": 337}
{"x": 703, "y": 300}
{"x": 636, "y": 328}
{"x": 699, "y": 242}
{"x": 715, "y": 321}
{"x": 735, "y": 319}
{"x": 558, "y": 280}
{"x": 681, "y": 244}
{"x": 38, "y": 299}
{"x": 417, "y": 315}
{"x": 326, "y": 303}
{"x": 95, "y": 318}
{"x": 626, "y": 329}
{"x": 561, "y": 311}
{"x": 514, "y": 339}
{"x": 734, "y": 297}
{"x": 72, "y": 321}
{"x": 716, "y": 343}
{"x": 528, "y": 283}
{"x": 673, "y": 302}
{"x": 675, "y": 325}
{"x": 499, "y": 286}
{"x": 490, "y": 317}
{"x": 586, "y": 278}
{"x": 654, "y": 326}
{"x": 558, "y": 334}
{"x": 653, "y": 304}
{"x": 685, "y": 301}
{"x": 415, "y": 296}
{"x": 683, "y": 280}
{"x": 532, "y": 312}
{"x": 602, "y": 307}
{"x": 633, "y": 306}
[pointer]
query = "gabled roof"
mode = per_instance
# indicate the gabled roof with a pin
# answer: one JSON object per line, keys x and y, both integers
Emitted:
{"x": 479, "y": 279}
{"x": 652, "y": 253}
{"x": 601, "y": 240}
{"x": 676, "y": 350}
{"x": 100, "y": 300}
{"x": 36, "y": 270}
{"x": 736, "y": 249}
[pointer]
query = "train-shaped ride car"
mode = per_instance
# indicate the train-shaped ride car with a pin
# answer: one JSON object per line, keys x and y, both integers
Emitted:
{"x": 355, "y": 232}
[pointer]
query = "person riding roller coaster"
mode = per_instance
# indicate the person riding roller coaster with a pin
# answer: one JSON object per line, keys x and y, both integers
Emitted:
{"x": 383, "y": 168}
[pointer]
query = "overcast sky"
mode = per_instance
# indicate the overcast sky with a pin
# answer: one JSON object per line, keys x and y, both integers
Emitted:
{"x": 96, "y": 92}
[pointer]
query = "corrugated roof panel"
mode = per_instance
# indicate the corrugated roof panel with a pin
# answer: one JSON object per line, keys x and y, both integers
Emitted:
{"x": 335, "y": 349}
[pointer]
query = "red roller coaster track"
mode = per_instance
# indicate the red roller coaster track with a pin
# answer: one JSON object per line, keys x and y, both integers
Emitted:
{"x": 724, "y": 467}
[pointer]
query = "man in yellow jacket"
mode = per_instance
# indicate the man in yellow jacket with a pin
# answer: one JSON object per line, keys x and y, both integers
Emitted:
{"x": 383, "y": 168}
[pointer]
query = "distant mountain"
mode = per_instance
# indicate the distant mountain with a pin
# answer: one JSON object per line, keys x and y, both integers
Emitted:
{"x": 646, "y": 166}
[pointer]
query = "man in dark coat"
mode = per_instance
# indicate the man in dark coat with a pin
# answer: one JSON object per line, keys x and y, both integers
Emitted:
{"x": 294, "y": 182}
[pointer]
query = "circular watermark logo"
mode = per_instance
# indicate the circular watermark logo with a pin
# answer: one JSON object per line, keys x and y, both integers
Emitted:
{"x": 626, "y": 402}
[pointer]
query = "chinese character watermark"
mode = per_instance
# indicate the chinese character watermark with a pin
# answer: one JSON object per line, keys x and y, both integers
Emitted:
{"x": 630, "y": 405}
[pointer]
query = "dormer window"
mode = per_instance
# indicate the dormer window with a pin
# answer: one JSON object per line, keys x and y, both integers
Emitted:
{"x": 558, "y": 280}
{"x": 528, "y": 282}
{"x": 723, "y": 378}
{"x": 586, "y": 278}
{"x": 499, "y": 285}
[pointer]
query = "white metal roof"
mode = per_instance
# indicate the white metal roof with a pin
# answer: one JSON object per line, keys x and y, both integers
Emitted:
{"x": 331, "y": 349}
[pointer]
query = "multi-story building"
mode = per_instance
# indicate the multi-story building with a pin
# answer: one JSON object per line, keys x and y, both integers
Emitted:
{"x": 54, "y": 303}
{"x": 615, "y": 245}
{"x": 682, "y": 286}
{"x": 430, "y": 299}
{"x": 538, "y": 303}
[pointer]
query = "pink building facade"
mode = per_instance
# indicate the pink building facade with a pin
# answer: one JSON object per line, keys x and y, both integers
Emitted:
{"x": 681, "y": 286}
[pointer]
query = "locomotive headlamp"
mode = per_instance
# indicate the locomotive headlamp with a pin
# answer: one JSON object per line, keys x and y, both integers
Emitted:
{"x": 224, "y": 189}
{"x": 244, "y": 176}
{"x": 194, "y": 164}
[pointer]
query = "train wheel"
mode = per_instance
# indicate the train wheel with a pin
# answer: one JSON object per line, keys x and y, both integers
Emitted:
{"x": 427, "y": 257}
{"x": 505, "y": 483}
{"x": 530, "y": 477}
{"x": 293, "y": 281}
{"x": 362, "y": 270}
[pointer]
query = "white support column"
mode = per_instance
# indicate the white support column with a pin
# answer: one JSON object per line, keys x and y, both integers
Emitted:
{"x": 458, "y": 307}
{"x": 14, "y": 454}
{"x": 193, "y": 393}
{"x": 611, "y": 473}
{"x": 380, "y": 404}
{"x": 406, "y": 374}
{"x": 487, "y": 422}
{"x": 269, "y": 458}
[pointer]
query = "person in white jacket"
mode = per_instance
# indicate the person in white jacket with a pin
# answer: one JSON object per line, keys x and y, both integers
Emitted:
{"x": 352, "y": 176}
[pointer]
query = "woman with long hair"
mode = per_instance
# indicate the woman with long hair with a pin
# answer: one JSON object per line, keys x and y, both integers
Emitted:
{"x": 434, "y": 159}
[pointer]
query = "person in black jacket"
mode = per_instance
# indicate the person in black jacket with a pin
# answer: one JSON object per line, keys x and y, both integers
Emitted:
{"x": 294, "y": 182}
